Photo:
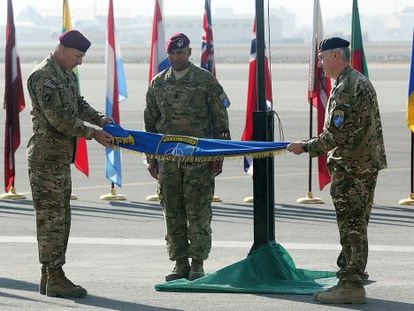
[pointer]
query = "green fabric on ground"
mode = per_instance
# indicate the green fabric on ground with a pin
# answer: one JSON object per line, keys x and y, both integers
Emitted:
{"x": 267, "y": 270}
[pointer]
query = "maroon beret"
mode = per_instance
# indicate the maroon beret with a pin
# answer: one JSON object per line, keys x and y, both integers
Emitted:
{"x": 74, "y": 39}
{"x": 177, "y": 41}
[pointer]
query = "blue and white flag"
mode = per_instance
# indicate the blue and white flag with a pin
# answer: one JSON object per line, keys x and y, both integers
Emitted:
{"x": 115, "y": 93}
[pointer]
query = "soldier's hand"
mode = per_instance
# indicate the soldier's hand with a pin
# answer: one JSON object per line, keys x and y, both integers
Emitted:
{"x": 217, "y": 167}
{"x": 296, "y": 147}
{"x": 106, "y": 120}
{"x": 103, "y": 138}
{"x": 153, "y": 169}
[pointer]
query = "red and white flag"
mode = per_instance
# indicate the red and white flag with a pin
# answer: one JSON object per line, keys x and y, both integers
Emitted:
{"x": 252, "y": 102}
{"x": 319, "y": 88}
{"x": 207, "y": 45}
{"x": 158, "y": 58}
{"x": 13, "y": 100}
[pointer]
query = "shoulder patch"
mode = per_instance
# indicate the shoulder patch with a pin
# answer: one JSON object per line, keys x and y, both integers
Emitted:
{"x": 46, "y": 97}
{"x": 224, "y": 100}
{"x": 50, "y": 84}
{"x": 338, "y": 118}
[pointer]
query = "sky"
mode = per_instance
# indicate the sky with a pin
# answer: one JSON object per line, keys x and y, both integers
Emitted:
{"x": 302, "y": 8}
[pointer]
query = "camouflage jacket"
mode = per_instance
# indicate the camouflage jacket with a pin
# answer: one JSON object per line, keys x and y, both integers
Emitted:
{"x": 193, "y": 105}
{"x": 352, "y": 135}
{"x": 57, "y": 114}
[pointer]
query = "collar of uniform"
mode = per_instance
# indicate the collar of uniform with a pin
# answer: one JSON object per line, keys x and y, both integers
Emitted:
{"x": 59, "y": 71}
{"x": 342, "y": 75}
{"x": 169, "y": 75}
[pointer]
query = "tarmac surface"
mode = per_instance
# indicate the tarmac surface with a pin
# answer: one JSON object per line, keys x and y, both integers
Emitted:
{"x": 117, "y": 249}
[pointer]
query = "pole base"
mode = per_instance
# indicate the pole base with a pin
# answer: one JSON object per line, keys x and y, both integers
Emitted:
{"x": 153, "y": 198}
{"x": 216, "y": 198}
{"x": 12, "y": 195}
{"x": 408, "y": 201}
{"x": 73, "y": 196}
{"x": 248, "y": 200}
{"x": 309, "y": 199}
{"x": 113, "y": 196}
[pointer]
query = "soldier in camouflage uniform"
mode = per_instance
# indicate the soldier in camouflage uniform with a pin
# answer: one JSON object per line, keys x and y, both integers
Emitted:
{"x": 57, "y": 114}
{"x": 186, "y": 100}
{"x": 353, "y": 139}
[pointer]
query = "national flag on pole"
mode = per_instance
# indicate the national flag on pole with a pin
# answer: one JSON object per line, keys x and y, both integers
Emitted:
{"x": 252, "y": 102}
{"x": 158, "y": 58}
{"x": 115, "y": 93}
{"x": 410, "y": 104}
{"x": 207, "y": 45}
{"x": 358, "y": 61}
{"x": 319, "y": 88}
{"x": 81, "y": 156}
{"x": 13, "y": 100}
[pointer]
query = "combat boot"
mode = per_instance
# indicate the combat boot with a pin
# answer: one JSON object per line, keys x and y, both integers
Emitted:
{"x": 43, "y": 281}
{"x": 196, "y": 270}
{"x": 344, "y": 293}
{"x": 180, "y": 270}
{"x": 58, "y": 285}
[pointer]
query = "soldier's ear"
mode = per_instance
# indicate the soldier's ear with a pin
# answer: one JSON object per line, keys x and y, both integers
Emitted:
{"x": 189, "y": 52}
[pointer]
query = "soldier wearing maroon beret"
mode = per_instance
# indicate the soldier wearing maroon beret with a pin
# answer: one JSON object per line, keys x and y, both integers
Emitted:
{"x": 75, "y": 40}
{"x": 58, "y": 115}
{"x": 186, "y": 100}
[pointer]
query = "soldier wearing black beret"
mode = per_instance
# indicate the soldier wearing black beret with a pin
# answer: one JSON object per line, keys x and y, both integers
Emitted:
{"x": 353, "y": 141}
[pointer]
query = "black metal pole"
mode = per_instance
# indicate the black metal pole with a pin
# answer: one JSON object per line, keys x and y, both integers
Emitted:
{"x": 263, "y": 169}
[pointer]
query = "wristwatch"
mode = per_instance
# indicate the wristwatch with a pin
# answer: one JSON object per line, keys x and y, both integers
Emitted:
{"x": 305, "y": 147}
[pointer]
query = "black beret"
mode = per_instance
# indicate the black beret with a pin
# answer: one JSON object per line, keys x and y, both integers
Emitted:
{"x": 74, "y": 39}
{"x": 333, "y": 43}
{"x": 177, "y": 41}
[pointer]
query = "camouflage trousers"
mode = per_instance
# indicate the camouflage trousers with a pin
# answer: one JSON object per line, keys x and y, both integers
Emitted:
{"x": 186, "y": 191}
{"x": 51, "y": 186}
{"x": 353, "y": 196}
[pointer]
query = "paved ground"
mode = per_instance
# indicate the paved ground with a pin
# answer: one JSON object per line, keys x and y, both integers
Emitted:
{"x": 117, "y": 250}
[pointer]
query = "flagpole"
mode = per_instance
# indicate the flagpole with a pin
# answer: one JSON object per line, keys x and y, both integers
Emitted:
{"x": 13, "y": 104}
{"x": 410, "y": 123}
{"x": 309, "y": 199}
{"x": 112, "y": 195}
{"x": 115, "y": 93}
{"x": 12, "y": 194}
{"x": 410, "y": 199}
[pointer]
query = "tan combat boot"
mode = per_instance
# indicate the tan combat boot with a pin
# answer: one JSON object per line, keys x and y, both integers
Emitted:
{"x": 180, "y": 271}
{"x": 43, "y": 281}
{"x": 196, "y": 270}
{"x": 344, "y": 293}
{"x": 58, "y": 285}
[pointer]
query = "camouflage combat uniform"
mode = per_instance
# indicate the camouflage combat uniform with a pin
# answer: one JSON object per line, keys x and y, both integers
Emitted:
{"x": 57, "y": 114}
{"x": 353, "y": 140}
{"x": 192, "y": 106}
